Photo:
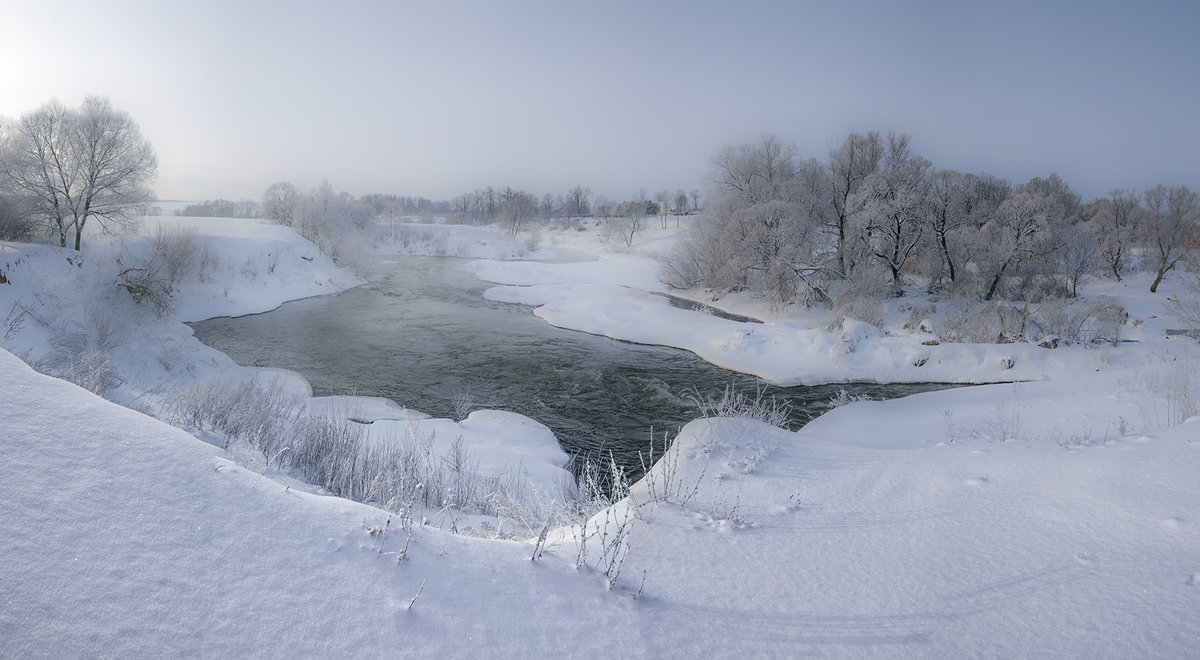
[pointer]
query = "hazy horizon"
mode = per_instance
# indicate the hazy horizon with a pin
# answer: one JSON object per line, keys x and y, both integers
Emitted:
{"x": 437, "y": 100}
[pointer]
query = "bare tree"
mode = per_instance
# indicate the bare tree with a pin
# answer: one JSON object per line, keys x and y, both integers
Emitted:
{"x": 695, "y": 195}
{"x": 1171, "y": 231}
{"x": 1077, "y": 256}
{"x": 73, "y": 165}
{"x": 516, "y": 207}
{"x": 635, "y": 212}
{"x": 548, "y": 206}
{"x": 849, "y": 164}
{"x": 1115, "y": 225}
{"x": 947, "y": 214}
{"x": 578, "y": 202}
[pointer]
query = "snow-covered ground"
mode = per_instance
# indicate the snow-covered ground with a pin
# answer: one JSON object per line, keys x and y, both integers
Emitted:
{"x": 1054, "y": 518}
{"x": 616, "y": 297}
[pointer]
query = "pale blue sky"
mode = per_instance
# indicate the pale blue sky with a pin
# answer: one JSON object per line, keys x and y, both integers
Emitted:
{"x": 438, "y": 98}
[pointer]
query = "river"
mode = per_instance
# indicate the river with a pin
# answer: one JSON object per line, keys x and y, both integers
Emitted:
{"x": 421, "y": 333}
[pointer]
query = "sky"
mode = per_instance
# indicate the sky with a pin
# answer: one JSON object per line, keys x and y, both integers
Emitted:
{"x": 440, "y": 98}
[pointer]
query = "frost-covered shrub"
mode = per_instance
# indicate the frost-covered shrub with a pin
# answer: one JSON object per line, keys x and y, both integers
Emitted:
{"x": 1053, "y": 322}
{"x": 91, "y": 370}
{"x": 1062, "y": 321}
{"x": 861, "y": 301}
{"x": 734, "y": 403}
{"x": 843, "y": 398}
{"x": 84, "y": 355}
{"x": 265, "y": 424}
{"x": 152, "y": 271}
{"x": 957, "y": 320}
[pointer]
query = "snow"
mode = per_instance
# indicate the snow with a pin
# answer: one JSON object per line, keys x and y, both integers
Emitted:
{"x": 263, "y": 263}
{"x": 614, "y": 297}
{"x": 503, "y": 443}
{"x": 125, "y": 537}
{"x": 1050, "y": 518}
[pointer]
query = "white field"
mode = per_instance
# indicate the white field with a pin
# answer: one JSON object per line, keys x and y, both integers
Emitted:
{"x": 1049, "y": 518}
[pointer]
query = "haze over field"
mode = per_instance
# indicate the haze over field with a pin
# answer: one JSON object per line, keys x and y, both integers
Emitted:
{"x": 435, "y": 99}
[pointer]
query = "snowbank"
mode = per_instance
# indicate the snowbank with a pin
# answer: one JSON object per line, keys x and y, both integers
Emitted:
{"x": 877, "y": 530}
{"x": 613, "y": 298}
{"x": 260, "y": 265}
{"x": 122, "y": 536}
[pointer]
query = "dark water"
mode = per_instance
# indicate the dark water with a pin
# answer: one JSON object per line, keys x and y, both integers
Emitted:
{"x": 421, "y": 333}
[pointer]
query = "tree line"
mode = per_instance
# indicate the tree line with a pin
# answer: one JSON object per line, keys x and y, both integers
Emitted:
{"x": 873, "y": 213}
{"x": 513, "y": 208}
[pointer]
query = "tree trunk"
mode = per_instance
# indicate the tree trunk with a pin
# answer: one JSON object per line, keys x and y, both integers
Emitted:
{"x": 946, "y": 255}
{"x": 992, "y": 288}
{"x": 1157, "y": 278}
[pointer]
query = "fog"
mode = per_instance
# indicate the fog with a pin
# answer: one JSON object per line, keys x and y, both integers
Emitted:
{"x": 436, "y": 99}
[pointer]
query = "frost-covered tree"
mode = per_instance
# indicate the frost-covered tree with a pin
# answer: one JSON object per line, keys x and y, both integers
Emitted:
{"x": 1114, "y": 221}
{"x": 681, "y": 202}
{"x": 516, "y": 207}
{"x": 946, "y": 216}
{"x": 849, "y": 165}
{"x": 280, "y": 202}
{"x": 340, "y": 225}
{"x": 758, "y": 231}
{"x": 1171, "y": 231}
{"x": 663, "y": 199}
{"x": 1077, "y": 255}
{"x": 73, "y": 165}
{"x": 890, "y": 208}
{"x": 1018, "y": 234}
{"x": 548, "y": 207}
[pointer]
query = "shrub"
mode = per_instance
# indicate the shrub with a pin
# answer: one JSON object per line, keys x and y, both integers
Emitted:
{"x": 733, "y": 403}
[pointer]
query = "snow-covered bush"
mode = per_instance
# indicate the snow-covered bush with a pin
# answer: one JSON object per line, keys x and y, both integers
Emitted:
{"x": 265, "y": 423}
{"x": 91, "y": 370}
{"x": 151, "y": 271}
{"x": 861, "y": 301}
{"x": 1062, "y": 321}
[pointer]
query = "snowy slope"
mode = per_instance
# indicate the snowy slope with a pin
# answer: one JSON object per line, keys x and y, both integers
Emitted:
{"x": 261, "y": 265}
{"x": 122, "y": 536}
